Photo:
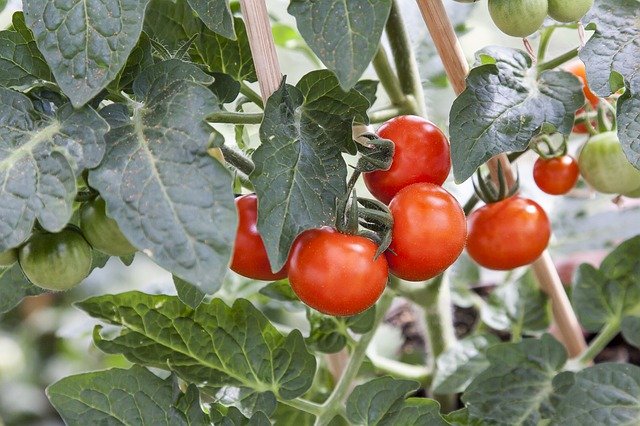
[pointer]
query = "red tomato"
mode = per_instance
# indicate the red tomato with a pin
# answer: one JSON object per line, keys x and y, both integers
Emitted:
{"x": 577, "y": 68}
{"x": 422, "y": 154}
{"x": 249, "y": 254}
{"x": 556, "y": 176}
{"x": 508, "y": 234}
{"x": 429, "y": 232}
{"x": 336, "y": 273}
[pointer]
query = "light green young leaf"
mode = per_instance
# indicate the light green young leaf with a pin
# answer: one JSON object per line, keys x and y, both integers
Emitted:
{"x": 85, "y": 44}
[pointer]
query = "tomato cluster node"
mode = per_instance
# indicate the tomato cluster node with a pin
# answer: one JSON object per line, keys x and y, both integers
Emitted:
{"x": 489, "y": 192}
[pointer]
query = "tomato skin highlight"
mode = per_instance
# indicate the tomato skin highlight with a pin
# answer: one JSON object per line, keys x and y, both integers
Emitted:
{"x": 429, "y": 232}
{"x": 422, "y": 154}
{"x": 103, "y": 232}
{"x": 57, "y": 261}
{"x": 556, "y": 176}
{"x": 336, "y": 273}
{"x": 508, "y": 234}
{"x": 249, "y": 253}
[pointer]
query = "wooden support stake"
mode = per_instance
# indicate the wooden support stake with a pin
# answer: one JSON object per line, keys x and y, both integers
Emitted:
{"x": 457, "y": 68}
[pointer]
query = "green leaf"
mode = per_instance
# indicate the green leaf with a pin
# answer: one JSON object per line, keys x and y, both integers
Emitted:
{"x": 170, "y": 198}
{"x": 40, "y": 159}
{"x": 279, "y": 290}
{"x": 631, "y": 330}
{"x": 368, "y": 89}
{"x": 216, "y": 15}
{"x": 460, "y": 364}
{"x": 300, "y": 172}
{"x": 85, "y": 44}
{"x": 344, "y": 35}
{"x": 140, "y": 58}
{"x": 606, "y": 394}
{"x": 245, "y": 399}
{"x": 611, "y": 61}
{"x": 416, "y": 411}
{"x": 171, "y": 22}
{"x": 21, "y": 63}
{"x": 330, "y": 334}
{"x": 369, "y": 403}
{"x": 188, "y": 293}
{"x": 517, "y": 386}
{"x": 612, "y": 292}
{"x": 285, "y": 414}
{"x": 461, "y": 418}
{"x": 463, "y": 274}
{"x": 125, "y": 397}
{"x": 504, "y": 106}
{"x": 233, "y": 417}
{"x": 14, "y": 287}
{"x": 213, "y": 345}
{"x": 232, "y": 57}
{"x": 225, "y": 87}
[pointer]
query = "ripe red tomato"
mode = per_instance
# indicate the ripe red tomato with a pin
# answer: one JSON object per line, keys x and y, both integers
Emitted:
{"x": 429, "y": 232}
{"x": 556, "y": 176}
{"x": 422, "y": 154}
{"x": 577, "y": 68}
{"x": 336, "y": 273}
{"x": 508, "y": 234}
{"x": 249, "y": 254}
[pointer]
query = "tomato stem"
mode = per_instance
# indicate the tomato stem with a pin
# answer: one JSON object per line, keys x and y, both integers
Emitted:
{"x": 251, "y": 94}
{"x": 235, "y": 117}
{"x": 604, "y": 337}
{"x": 382, "y": 115}
{"x": 545, "y": 38}
{"x": 388, "y": 78}
{"x": 556, "y": 62}
{"x": 237, "y": 159}
{"x": 303, "y": 405}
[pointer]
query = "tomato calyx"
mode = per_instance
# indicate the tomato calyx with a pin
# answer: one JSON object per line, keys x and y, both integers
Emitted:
{"x": 489, "y": 192}
{"x": 376, "y": 154}
{"x": 544, "y": 147}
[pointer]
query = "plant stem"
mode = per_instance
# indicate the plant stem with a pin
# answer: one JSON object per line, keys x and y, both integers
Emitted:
{"x": 251, "y": 94}
{"x": 235, "y": 117}
{"x": 556, "y": 62}
{"x": 399, "y": 369}
{"x": 237, "y": 159}
{"x": 545, "y": 37}
{"x": 388, "y": 77}
{"x": 332, "y": 405}
{"x": 406, "y": 65}
{"x": 382, "y": 115}
{"x": 303, "y": 405}
{"x": 604, "y": 337}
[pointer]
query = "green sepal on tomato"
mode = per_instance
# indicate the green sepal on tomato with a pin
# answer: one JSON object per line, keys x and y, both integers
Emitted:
{"x": 250, "y": 257}
{"x": 101, "y": 231}
{"x": 518, "y": 18}
{"x": 422, "y": 154}
{"x": 336, "y": 273}
{"x": 56, "y": 261}
{"x": 429, "y": 232}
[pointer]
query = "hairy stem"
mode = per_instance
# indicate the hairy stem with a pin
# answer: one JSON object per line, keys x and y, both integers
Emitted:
{"x": 545, "y": 38}
{"x": 604, "y": 337}
{"x": 382, "y": 115}
{"x": 251, "y": 94}
{"x": 556, "y": 62}
{"x": 237, "y": 159}
{"x": 388, "y": 78}
{"x": 235, "y": 117}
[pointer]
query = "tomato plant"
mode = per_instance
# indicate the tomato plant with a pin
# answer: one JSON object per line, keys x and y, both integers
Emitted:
{"x": 518, "y": 18}
{"x": 421, "y": 155}
{"x": 101, "y": 231}
{"x": 335, "y": 273}
{"x": 508, "y": 234}
{"x": 563, "y": 11}
{"x": 556, "y": 176}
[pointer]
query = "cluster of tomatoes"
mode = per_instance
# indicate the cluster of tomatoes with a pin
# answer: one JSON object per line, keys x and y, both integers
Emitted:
{"x": 59, "y": 261}
{"x": 521, "y": 18}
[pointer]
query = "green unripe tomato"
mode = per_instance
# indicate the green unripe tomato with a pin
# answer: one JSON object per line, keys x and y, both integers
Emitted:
{"x": 605, "y": 167}
{"x": 8, "y": 257}
{"x": 101, "y": 231}
{"x": 569, "y": 10}
{"x": 56, "y": 261}
{"x": 518, "y": 18}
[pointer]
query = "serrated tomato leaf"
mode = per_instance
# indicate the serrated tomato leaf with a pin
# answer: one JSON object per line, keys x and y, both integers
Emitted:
{"x": 188, "y": 293}
{"x": 85, "y": 44}
{"x": 212, "y": 346}
{"x": 170, "y": 198}
{"x": 14, "y": 287}
{"x": 505, "y": 105}
{"x": 21, "y": 63}
{"x": 234, "y": 417}
{"x": 40, "y": 159}
{"x": 344, "y": 35}
{"x": 516, "y": 388}
{"x": 369, "y": 403}
{"x": 171, "y": 22}
{"x": 216, "y": 15}
{"x": 300, "y": 172}
{"x": 611, "y": 59}
{"x": 128, "y": 397}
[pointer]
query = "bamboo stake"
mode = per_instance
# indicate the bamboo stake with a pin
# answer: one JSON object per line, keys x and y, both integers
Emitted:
{"x": 457, "y": 68}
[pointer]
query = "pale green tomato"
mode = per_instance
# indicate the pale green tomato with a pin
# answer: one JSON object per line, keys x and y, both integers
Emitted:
{"x": 518, "y": 18}
{"x": 569, "y": 10}
{"x": 8, "y": 257}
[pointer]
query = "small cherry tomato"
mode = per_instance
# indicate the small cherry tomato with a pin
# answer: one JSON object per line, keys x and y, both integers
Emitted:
{"x": 508, "y": 234}
{"x": 103, "y": 232}
{"x": 429, "y": 232}
{"x": 569, "y": 11}
{"x": 249, "y": 253}
{"x": 422, "y": 154}
{"x": 556, "y": 176}
{"x": 336, "y": 273}
{"x": 518, "y": 18}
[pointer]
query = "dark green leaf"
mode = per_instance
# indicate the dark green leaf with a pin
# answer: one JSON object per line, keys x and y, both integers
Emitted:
{"x": 362, "y": 322}
{"x": 504, "y": 106}
{"x": 344, "y": 35}
{"x": 300, "y": 172}
{"x": 460, "y": 364}
{"x": 232, "y": 57}
{"x": 171, "y": 22}
{"x": 233, "y": 417}
{"x": 247, "y": 400}
{"x": 280, "y": 290}
{"x": 368, "y": 89}
{"x": 124, "y": 397}
{"x": 170, "y": 198}
{"x": 40, "y": 159}
{"x": 517, "y": 386}
{"x": 328, "y": 334}
{"x": 416, "y": 411}
{"x": 225, "y": 87}
{"x": 21, "y": 63}
{"x": 187, "y": 407}
{"x": 14, "y": 287}
{"x": 188, "y": 293}
{"x": 603, "y": 395}
{"x": 216, "y": 15}
{"x": 285, "y": 414}
{"x": 631, "y": 330}
{"x": 611, "y": 53}
{"x": 461, "y": 418}
{"x": 85, "y": 44}
{"x": 139, "y": 59}
{"x": 369, "y": 403}
{"x": 213, "y": 346}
